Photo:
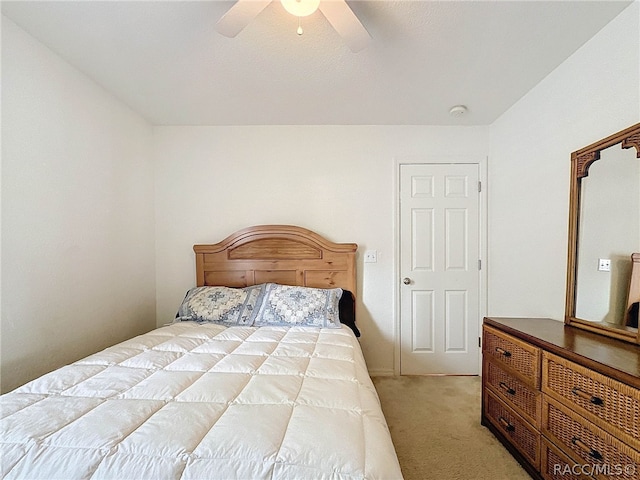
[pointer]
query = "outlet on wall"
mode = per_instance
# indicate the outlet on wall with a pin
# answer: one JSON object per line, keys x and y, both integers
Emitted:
{"x": 604, "y": 265}
{"x": 371, "y": 256}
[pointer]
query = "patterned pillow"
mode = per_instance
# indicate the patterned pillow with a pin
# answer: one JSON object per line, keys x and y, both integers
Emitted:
{"x": 286, "y": 305}
{"x": 224, "y": 305}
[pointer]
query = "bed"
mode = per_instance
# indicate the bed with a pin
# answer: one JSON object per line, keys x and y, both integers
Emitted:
{"x": 246, "y": 397}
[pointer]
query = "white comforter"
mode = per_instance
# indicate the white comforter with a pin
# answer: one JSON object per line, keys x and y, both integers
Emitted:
{"x": 204, "y": 402}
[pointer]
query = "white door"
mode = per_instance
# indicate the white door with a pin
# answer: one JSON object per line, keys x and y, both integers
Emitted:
{"x": 439, "y": 269}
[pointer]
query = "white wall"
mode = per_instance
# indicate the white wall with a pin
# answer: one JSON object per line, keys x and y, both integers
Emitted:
{"x": 593, "y": 94}
{"x": 78, "y": 197}
{"x": 335, "y": 180}
{"x": 77, "y": 214}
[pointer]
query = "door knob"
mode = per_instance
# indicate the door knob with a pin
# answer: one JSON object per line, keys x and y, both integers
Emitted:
{"x": 406, "y": 280}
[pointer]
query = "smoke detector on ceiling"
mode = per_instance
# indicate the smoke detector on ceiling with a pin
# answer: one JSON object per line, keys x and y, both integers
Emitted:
{"x": 458, "y": 111}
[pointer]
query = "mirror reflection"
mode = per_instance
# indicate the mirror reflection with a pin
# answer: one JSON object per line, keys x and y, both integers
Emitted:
{"x": 608, "y": 235}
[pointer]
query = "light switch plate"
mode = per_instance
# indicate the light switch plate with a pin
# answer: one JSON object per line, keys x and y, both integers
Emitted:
{"x": 371, "y": 256}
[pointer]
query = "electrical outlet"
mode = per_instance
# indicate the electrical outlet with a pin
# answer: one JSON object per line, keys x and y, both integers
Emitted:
{"x": 604, "y": 265}
{"x": 371, "y": 256}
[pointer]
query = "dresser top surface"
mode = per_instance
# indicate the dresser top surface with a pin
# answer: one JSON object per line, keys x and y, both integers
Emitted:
{"x": 611, "y": 357}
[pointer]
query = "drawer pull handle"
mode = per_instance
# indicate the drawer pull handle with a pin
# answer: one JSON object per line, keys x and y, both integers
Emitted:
{"x": 592, "y": 452}
{"x": 507, "y": 426}
{"x": 503, "y": 352}
{"x": 507, "y": 389}
{"x": 582, "y": 394}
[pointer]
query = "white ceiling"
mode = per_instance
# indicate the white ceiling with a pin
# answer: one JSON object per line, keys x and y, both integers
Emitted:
{"x": 166, "y": 61}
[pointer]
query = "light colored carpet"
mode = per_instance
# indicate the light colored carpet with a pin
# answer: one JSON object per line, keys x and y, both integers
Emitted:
{"x": 435, "y": 427}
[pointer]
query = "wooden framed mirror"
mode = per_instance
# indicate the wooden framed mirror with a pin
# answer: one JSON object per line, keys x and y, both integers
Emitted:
{"x": 603, "y": 265}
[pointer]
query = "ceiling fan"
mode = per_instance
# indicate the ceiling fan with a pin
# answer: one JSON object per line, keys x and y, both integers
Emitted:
{"x": 339, "y": 14}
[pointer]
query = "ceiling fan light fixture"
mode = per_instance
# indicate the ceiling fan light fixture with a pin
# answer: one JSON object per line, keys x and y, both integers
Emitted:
{"x": 300, "y": 8}
{"x": 337, "y": 12}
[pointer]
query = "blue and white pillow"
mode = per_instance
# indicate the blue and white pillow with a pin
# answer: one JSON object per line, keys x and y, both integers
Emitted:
{"x": 285, "y": 305}
{"x": 223, "y": 305}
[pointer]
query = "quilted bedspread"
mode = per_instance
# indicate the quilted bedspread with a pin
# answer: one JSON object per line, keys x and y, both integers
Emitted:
{"x": 196, "y": 401}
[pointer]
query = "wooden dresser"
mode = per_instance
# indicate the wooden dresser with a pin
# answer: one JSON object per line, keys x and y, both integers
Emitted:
{"x": 564, "y": 401}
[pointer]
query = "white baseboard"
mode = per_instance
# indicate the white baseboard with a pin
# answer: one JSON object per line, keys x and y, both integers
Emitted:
{"x": 381, "y": 372}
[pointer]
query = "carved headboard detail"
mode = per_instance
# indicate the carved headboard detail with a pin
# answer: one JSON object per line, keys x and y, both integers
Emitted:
{"x": 282, "y": 254}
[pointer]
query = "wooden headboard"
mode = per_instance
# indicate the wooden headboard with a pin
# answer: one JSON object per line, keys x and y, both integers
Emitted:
{"x": 282, "y": 254}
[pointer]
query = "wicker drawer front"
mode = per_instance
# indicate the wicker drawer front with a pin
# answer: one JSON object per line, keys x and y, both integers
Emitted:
{"x": 555, "y": 465}
{"x": 611, "y": 405}
{"x": 587, "y": 444}
{"x": 522, "y": 435}
{"x": 520, "y": 357}
{"x": 524, "y": 399}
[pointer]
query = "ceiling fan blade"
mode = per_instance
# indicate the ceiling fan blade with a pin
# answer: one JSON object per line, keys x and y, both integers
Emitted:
{"x": 239, "y": 16}
{"x": 345, "y": 22}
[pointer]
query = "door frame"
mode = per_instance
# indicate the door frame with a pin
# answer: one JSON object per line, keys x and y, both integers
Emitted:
{"x": 481, "y": 161}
